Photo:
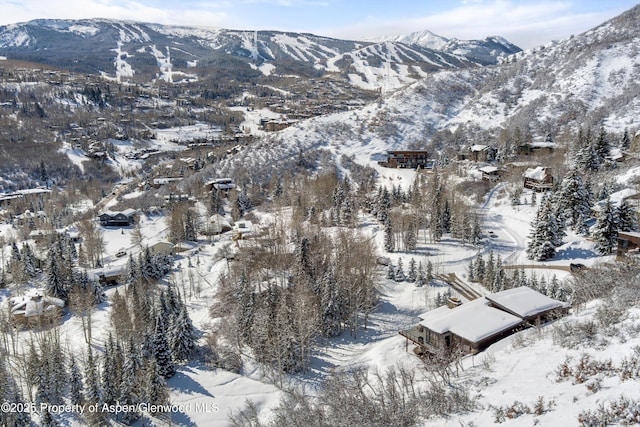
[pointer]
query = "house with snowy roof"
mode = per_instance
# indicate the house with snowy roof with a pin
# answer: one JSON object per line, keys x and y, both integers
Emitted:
{"x": 473, "y": 326}
{"x": 411, "y": 159}
{"x": 536, "y": 148}
{"x": 118, "y": 219}
{"x": 628, "y": 195}
{"x": 482, "y": 153}
{"x": 491, "y": 173}
{"x": 35, "y": 307}
{"x": 223, "y": 184}
{"x": 539, "y": 178}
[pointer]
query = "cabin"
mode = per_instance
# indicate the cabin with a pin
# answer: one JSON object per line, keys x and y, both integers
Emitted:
{"x": 34, "y": 307}
{"x": 118, "y": 219}
{"x": 160, "y": 181}
{"x": 218, "y": 224}
{"x": 491, "y": 173}
{"x": 628, "y": 245}
{"x": 482, "y": 153}
{"x": 536, "y": 148}
{"x": 222, "y": 184}
{"x": 539, "y": 178}
{"x": 470, "y": 327}
{"x": 108, "y": 276}
{"x": 411, "y": 159}
{"x": 161, "y": 247}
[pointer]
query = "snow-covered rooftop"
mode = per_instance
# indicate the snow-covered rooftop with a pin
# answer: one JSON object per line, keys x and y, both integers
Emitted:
{"x": 472, "y": 321}
{"x": 488, "y": 169}
{"x": 537, "y": 173}
{"x": 34, "y": 303}
{"x": 524, "y": 301}
{"x": 479, "y": 147}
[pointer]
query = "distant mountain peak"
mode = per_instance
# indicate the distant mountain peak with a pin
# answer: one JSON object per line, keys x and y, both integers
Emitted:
{"x": 424, "y": 38}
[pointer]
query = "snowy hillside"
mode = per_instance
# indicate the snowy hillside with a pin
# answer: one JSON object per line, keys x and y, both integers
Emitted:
{"x": 584, "y": 81}
{"x": 138, "y": 46}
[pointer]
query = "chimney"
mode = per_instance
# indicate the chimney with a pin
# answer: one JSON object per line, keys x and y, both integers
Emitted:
{"x": 453, "y": 302}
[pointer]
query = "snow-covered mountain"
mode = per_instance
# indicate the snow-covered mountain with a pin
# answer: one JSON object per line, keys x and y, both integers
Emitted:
{"x": 144, "y": 50}
{"x": 584, "y": 81}
{"x": 484, "y": 51}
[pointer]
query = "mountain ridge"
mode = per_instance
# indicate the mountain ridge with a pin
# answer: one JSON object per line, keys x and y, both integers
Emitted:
{"x": 102, "y": 45}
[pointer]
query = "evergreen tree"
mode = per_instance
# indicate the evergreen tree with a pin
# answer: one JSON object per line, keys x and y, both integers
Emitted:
{"x": 545, "y": 234}
{"x": 476, "y": 233}
{"x": 429, "y": 274}
{"x": 490, "y": 270}
{"x": 54, "y": 282}
{"x": 627, "y": 217}
{"x": 155, "y": 392}
{"x": 602, "y": 147}
{"x": 182, "y": 336}
{"x": 625, "y": 143}
{"x": 389, "y": 238}
{"x": 91, "y": 380}
{"x": 446, "y": 217}
{"x": 421, "y": 278}
{"x": 586, "y": 157}
{"x": 173, "y": 301}
{"x": 111, "y": 373}
{"x": 129, "y": 390}
{"x": 98, "y": 291}
{"x": 75, "y": 383}
{"x": 332, "y": 310}
{"x": 161, "y": 350}
{"x": 605, "y": 232}
{"x": 190, "y": 226}
{"x": 29, "y": 260}
{"x": 573, "y": 200}
{"x": 412, "y": 271}
{"x": 383, "y": 204}
{"x": 349, "y": 214}
{"x": 147, "y": 266}
{"x": 391, "y": 272}
{"x": 399, "y": 273}
{"x": 243, "y": 202}
{"x": 605, "y": 191}
{"x": 411, "y": 237}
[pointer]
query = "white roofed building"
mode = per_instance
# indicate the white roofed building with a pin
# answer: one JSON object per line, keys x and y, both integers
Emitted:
{"x": 34, "y": 306}
{"x": 473, "y": 326}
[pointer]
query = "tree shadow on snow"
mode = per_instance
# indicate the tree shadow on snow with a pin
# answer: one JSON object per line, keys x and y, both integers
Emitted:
{"x": 184, "y": 383}
{"x": 575, "y": 253}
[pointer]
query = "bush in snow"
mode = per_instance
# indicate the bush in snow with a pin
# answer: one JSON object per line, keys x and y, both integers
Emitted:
{"x": 623, "y": 411}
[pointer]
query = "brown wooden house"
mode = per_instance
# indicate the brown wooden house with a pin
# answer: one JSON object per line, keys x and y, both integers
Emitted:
{"x": 491, "y": 173}
{"x": 538, "y": 179}
{"x": 628, "y": 245}
{"x": 412, "y": 159}
{"x": 34, "y": 307}
{"x": 473, "y": 326}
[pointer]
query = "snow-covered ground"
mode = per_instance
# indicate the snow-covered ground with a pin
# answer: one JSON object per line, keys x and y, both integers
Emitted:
{"x": 508, "y": 371}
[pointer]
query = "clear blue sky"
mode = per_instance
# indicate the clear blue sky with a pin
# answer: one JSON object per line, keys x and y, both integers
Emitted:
{"x": 527, "y": 23}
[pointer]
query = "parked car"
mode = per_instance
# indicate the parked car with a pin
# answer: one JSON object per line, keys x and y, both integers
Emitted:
{"x": 577, "y": 267}
{"x": 121, "y": 252}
